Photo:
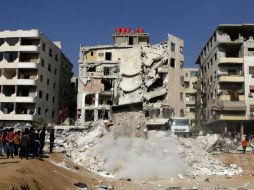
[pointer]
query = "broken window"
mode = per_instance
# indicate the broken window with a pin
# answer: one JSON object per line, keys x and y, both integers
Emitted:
{"x": 90, "y": 99}
{"x": 172, "y": 62}
{"x": 107, "y": 84}
{"x": 7, "y": 108}
{"x": 89, "y": 115}
{"x": 108, "y": 56}
{"x": 103, "y": 114}
{"x": 91, "y": 69}
{"x": 131, "y": 40}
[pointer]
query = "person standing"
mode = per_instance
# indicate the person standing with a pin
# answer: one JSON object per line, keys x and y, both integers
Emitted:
{"x": 42, "y": 139}
{"x": 51, "y": 140}
{"x": 1, "y": 143}
{"x": 16, "y": 143}
{"x": 24, "y": 144}
{"x": 244, "y": 145}
{"x": 10, "y": 143}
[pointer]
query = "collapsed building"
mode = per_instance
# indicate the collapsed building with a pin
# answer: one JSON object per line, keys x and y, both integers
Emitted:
{"x": 131, "y": 76}
{"x": 225, "y": 80}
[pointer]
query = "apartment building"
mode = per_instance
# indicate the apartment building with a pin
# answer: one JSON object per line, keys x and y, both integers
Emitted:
{"x": 225, "y": 80}
{"x": 34, "y": 77}
{"x": 130, "y": 72}
{"x": 190, "y": 93}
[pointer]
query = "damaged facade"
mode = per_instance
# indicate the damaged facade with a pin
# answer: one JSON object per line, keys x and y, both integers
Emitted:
{"x": 34, "y": 77}
{"x": 190, "y": 93}
{"x": 225, "y": 79}
{"x": 131, "y": 72}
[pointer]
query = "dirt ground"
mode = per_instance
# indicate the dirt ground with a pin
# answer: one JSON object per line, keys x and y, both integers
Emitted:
{"x": 43, "y": 174}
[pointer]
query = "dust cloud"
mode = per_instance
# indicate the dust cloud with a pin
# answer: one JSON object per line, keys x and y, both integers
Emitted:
{"x": 156, "y": 157}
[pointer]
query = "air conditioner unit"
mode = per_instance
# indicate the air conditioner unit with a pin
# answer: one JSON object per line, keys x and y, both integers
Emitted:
{"x": 251, "y": 113}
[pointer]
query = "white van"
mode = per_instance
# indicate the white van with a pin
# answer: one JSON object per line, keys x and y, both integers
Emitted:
{"x": 180, "y": 125}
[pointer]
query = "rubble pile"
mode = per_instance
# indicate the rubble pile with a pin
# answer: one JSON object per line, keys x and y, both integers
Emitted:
{"x": 200, "y": 160}
{"x": 143, "y": 159}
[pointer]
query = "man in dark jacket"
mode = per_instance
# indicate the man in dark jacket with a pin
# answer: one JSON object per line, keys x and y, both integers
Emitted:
{"x": 51, "y": 140}
{"x": 42, "y": 139}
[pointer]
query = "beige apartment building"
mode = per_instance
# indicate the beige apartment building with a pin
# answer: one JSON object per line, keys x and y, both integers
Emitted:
{"x": 190, "y": 93}
{"x": 34, "y": 78}
{"x": 225, "y": 80}
{"x": 130, "y": 72}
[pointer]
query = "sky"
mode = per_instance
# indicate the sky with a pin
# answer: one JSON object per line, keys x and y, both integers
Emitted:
{"x": 92, "y": 22}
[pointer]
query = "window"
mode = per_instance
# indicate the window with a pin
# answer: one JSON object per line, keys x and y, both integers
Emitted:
{"x": 181, "y": 49}
{"x": 53, "y": 114}
{"x": 106, "y": 71}
{"x": 50, "y": 52}
{"x": 54, "y": 85}
{"x": 186, "y": 84}
{"x": 193, "y": 73}
{"x": 181, "y": 113}
{"x": 55, "y": 71}
{"x": 251, "y": 71}
{"x": 40, "y": 94}
{"x": 108, "y": 56}
{"x": 181, "y": 96}
{"x": 39, "y": 110}
{"x": 43, "y": 47}
{"x": 46, "y": 111}
{"x": 47, "y": 81}
{"x": 250, "y": 51}
{"x": 56, "y": 57}
{"x": 47, "y": 96}
{"x": 173, "y": 47}
{"x": 100, "y": 54}
{"x": 41, "y": 78}
{"x": 172, "y": 62}
{"x": 53, "y": 99}
{"x": 49, "y": 67}
{"x": 186, "y": 74}
{"x": 42, "y": 62}
{"x": 91, "y": 53}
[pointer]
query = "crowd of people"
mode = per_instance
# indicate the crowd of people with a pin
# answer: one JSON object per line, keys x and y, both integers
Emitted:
{"x": 27, "y": 143}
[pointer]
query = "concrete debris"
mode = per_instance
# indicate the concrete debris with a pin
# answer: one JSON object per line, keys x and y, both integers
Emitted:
{"x": 121, "y": 156}
{"x": 81, "y": 185}
{"x": 102, "y": 187}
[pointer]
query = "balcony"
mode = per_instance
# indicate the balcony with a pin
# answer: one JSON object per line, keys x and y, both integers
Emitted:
{"x": 229, "y": 106}
{"x": 16, "y": 117}
{"x": 230, "y": 60}
{"x": 231, "y": 117}
{"x": 231, "y": 78}
{"x": 226, "y": 97}
{"x": 190, "y": 102}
